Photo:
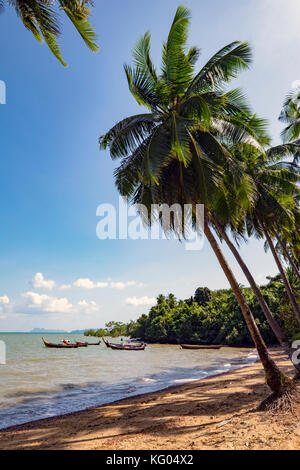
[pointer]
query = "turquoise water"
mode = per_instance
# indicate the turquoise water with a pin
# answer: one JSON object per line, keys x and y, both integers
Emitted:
{"x": 38, "y": 382}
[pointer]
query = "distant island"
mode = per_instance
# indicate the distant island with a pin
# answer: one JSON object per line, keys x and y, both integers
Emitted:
{"x": 45, "y": 330}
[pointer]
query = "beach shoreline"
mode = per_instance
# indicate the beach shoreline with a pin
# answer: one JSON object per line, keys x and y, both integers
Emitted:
{"x": 213, "y": 413}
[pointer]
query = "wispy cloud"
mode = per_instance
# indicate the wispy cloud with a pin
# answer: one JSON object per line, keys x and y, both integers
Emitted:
{"x": 86, "y": 283}
{"x": 145, "y": 300}
{"x": 5, "y": 306}
{"x": 65, "y": 286}
{"x": 4, "y": 299}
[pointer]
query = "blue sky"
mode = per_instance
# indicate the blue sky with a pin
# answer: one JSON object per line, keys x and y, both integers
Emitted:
{"x": 53, "y": 176}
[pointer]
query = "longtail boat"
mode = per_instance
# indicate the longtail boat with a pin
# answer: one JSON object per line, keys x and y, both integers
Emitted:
{"x": 201, "y": 346}
{"x": 122, "y": 346}
{"x": 126, "y": 347}
{"x": 85, "y": 344}
{"x": 59, "y": 345}
{"x": 106, "y": 342}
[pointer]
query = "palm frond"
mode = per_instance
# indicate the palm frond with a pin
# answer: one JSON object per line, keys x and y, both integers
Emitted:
{"x": 222, "y": 67}
{"x": 141, "y": 87}
{"x": 78, "y": 13}
{"x": 127, "y": 134}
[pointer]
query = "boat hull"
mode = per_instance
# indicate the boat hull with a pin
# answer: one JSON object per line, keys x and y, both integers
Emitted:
{"x": 201, "y": 346}
{"x": 59, "y": 345}
{"x": 127, "y": 347}
{"x": 120, "y": 347}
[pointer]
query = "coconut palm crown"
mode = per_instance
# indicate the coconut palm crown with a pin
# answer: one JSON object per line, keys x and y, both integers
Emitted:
{"x": 190, "y": 119}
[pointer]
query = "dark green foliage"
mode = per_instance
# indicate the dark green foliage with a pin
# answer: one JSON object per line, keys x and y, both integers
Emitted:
{"x": 202, "y": 295}
{"x": 215, "y": 318}
{"x": 112, "y": 329}
{"x": 210, "y": 317}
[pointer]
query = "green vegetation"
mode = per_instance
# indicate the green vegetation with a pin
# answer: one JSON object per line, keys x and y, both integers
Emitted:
{"x": 112, "y": 329}
{"x": 210, "y": 317}
{"x": 41, "y": 17}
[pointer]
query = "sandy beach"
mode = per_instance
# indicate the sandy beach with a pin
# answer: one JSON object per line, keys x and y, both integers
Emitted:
{"x": 216, "y": 413}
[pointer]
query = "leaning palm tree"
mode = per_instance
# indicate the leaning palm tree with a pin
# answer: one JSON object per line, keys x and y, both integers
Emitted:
{"x": 177, "y": 151}
{"x": 258, "y": 167}
{"x": 41, "y": 17}
{"x": 276, "y": 185}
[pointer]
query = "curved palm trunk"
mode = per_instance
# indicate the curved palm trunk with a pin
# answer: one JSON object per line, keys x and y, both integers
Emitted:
{"x": 285, "y": 280}
{"x": 283, "y": 341}
{"x": 273, "y": 375}
{"x": 289, "y": 257}
{"x": 264, "y": 306}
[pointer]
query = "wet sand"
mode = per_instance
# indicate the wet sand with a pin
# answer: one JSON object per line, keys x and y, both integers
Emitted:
{"x": 214, "y": 413}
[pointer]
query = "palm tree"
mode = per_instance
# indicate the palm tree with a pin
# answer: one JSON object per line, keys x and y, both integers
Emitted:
{"x": 177, "y": 151}
{"x": 41, "y": 18}
{"x": 287, "y": 255}
{"x": 258, "y": 167}
{"x": 283, "y": 341}
{"x": 276, "y": 185}
{"x": 290, "y": 115}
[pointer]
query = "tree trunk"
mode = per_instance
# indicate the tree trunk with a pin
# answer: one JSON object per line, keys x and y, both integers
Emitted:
{"x": 285, "y": 280}
{"x": 274, "y": 377}
{"x": 283, "y": 341}
{"x": 264, "y": 306}
{"x": 289, "y": 257}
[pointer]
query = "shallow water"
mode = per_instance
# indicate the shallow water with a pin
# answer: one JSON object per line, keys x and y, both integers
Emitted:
{"x": 38, "y": 382}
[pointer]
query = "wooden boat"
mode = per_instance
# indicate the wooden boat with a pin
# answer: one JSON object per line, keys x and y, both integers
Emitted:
{"x": 127, "y": 347}
{"x": 59, "y": 345}
{"x": 201, "y": 346}
{"x": 85, "y": 344}
{"x": 106, "y": 342}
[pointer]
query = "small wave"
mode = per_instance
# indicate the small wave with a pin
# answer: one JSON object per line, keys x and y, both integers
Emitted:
{"x": 147, "y": 380}
{"x": 186, "y": 380}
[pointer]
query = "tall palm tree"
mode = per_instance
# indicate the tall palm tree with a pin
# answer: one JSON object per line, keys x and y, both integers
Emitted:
{"x": 41, "y": 17}
{"x": 258, "y": 166}
{"x": 276, "y": 184}
{"x": 177, "y": 151}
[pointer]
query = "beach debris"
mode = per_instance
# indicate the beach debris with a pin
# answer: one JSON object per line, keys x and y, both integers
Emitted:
{"x": 226, "y": 421}
{"x": 247, "y": 444}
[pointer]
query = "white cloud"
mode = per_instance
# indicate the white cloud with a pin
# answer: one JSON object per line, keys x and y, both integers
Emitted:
{"x": 86, "y": 283}
{"x": 4, "y": 299}
{"x": 101, "y": 284}
{"x": 140, "y": 300}
{"x": 65, "y": 286}
{"x": 43, "y": 303}
{"x": 5, "y": 306}
{"x": 84, "y": 306}
{"x": 47, "y": 303}
{"x": 122, "y": 285}
{"x": 38, "y": 282}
